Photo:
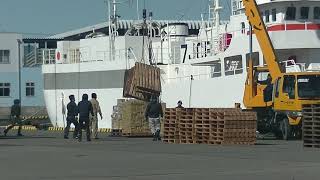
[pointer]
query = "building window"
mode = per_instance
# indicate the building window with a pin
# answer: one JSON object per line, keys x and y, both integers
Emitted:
{"x": 304, "y": 12}
{"x": 4, "y": 89}
{"x": 274, "y": 15}
{"x": 30, "y": 89}
{"x": 291, "y": 13}
{"x": 267, "y": 14}
{"x": 4, "y": 56}
{"x": 316, "y": 13}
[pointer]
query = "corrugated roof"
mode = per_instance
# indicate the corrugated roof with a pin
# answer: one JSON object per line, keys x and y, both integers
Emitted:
{"x": 126, "y": 24}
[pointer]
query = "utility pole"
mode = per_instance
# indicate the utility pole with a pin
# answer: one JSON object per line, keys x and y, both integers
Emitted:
{"x": 19, "y": 69}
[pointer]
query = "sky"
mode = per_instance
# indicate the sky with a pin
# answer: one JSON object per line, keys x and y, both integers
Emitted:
{"x": 48, "y": 17}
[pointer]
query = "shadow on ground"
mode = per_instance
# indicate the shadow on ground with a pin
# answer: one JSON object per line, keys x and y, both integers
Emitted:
{"x": 27, "y": 137}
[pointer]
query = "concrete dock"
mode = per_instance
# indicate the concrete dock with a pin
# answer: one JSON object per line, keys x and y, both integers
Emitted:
{"x": 43, "y": 155}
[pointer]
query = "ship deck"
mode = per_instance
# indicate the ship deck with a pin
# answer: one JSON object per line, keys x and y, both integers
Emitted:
{"x": 46, "y": 155}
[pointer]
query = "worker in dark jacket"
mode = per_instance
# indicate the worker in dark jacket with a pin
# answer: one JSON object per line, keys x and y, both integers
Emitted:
{"x": 179, "y": 104}
{"x": 85, "y": 109}
{"x": 153, "y": 114}
{"x": 72, "y": 118}
{"x": 15, "y": 117}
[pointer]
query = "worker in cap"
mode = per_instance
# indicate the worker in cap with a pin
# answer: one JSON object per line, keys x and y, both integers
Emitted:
{"x": 15, "y": 117}
{"x": 94, "y": 119}
{"x": 180, "y": 104}
{"x": 72, "y": 118}
{"x": 85, "y": 109}
{"x": 153, "y": 114}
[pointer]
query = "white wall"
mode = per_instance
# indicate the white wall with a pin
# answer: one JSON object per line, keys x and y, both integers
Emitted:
{"x": 64, "y": 47}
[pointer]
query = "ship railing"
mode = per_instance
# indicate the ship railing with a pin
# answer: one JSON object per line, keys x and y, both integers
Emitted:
{"x": 306, "y": 26}
{"x": 166, "y": 55}
{"x": 183, "y": 72}
{"x": 46, "y": 56}
{"x": 107, "y": 56}
{"x": 200, "y": 76}
{"x": 187, "y": 77}
{"x": 118, "y": 54}
{"x": 292, "y": 66}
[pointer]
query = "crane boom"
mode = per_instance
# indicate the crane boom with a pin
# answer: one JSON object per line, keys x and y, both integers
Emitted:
{"x": 259, "y": 28}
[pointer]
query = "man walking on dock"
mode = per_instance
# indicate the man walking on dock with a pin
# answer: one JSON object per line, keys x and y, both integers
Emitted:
{"x": 72, "y": 118}
{"x": 94, "y": 119}
{"x": 85, "y": 108}
{"x": 153, "y": 114}
{"x": 15, "y": 117}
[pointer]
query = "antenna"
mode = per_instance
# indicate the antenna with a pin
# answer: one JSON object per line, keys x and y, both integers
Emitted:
{"x": 217, "y": 10}
{"x": 113, "y": 26}
{"x": 138, "y": 10}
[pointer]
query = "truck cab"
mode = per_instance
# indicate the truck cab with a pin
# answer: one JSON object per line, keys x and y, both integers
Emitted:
{"x": 293, "y": 90}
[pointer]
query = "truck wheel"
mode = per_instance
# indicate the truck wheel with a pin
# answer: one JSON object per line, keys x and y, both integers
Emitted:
{"x": 285, "y": 129}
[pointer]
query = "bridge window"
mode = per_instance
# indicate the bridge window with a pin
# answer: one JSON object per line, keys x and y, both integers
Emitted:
{"x": 255, "y": 59}
{"x": 291, "y": 13}
{"x": 215, "y": 70}
{"x": 243, "y": 28}
{"x": 316, "y": 13}
{"x": 274, "y": 15}
{"x": 267, "y": 13}
{"x": 233, "y": 65}
{"x": 304, "y": 12}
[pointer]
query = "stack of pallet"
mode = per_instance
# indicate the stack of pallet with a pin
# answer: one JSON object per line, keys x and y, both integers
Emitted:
{"x": 239, "y": 127}
{"x": 170, "y": 126}
{"x": 210, "y": 126}
{"x": 311, "y": 126}
{"x": 185, "y": 125}
{"x": 141, "y": 82}
{"x": 129, "y": 117}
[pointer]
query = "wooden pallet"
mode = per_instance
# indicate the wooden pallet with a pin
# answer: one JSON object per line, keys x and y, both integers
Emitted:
{"x": 142, "y": 81}
{"x": 186, "y": 141}
{"x": 311, "y": 126}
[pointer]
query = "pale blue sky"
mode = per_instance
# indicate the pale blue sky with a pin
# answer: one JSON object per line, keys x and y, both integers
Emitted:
{"x": 55, "y": 16}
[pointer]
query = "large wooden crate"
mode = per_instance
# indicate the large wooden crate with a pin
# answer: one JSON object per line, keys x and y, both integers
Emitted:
{"x": 129, "y": 116}
{"x": 311, "y": 126}
{"x": 142, "y": 81}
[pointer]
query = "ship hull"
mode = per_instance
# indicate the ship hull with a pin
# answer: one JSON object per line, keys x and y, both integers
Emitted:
{"x": 211, "y": 92}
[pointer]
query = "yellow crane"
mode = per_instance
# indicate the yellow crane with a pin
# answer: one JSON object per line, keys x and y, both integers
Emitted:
{"x": 279, "y": 101}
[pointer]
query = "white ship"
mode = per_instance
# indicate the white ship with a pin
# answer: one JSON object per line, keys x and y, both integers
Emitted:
{"x": 207, "y": 70}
